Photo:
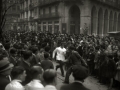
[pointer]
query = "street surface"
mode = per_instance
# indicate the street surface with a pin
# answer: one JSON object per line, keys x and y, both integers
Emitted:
{"x": 90, "y": 82}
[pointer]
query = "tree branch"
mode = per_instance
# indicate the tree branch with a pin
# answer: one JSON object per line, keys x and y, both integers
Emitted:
{"x": 4, "y": 14}
{"x": 3, "y": 24}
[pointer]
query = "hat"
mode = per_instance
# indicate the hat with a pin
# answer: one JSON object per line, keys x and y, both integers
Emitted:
{"x": 79, "y": 72}
{"x": 5, "y": 65}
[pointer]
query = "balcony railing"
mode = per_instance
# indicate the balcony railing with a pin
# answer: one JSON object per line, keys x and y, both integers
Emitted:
{"x": 22, "y": 10}
{"x": 13, "y": 12}
{"x": 51, "y": 15}
{"x": 31, "y": 18}
{"x": 44, "y": 2}
{"x": 110, "y": 2}
{"x": 26, "y": 19}
{"x": 21, "y": 20}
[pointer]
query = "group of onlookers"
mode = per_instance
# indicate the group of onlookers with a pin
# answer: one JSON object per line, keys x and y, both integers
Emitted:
{"x": 35, "y": 55}
{"x": 31, "y": 68}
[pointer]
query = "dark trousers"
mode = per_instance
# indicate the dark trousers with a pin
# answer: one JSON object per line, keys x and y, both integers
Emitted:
{"x": 61, "y": 63}
{"x": 68, "y": 73}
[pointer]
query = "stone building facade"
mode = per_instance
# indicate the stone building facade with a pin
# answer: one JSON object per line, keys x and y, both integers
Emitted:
{"x": 12, "y": 16}
{"x": 71, "y": 16}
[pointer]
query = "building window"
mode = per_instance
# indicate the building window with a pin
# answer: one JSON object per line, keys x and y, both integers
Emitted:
{"x": 56, "y": 27}
{"x": 14, "y": 8}
{"x": 39, "y": 26}
{"x": 39, "y": 11}
{"x": 50, "y": 27}
{"x": 43, "y": 11}
{"x": 56, "y": 9}
{"x": 18, "y": 7}
{"x": 35, "y": 12}
{"x": 44, "y": 26}
{"x": 49, "y": 10}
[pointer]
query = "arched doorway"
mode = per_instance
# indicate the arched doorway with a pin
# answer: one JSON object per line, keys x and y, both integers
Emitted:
{"x": 100, "y": 22}
{"x": 111, "y": 22}
{"x": 74, "y": 17}
{"x": 105, "y": 22}
{"x": 93, "y": 20}
{"x": 118, "y": 23}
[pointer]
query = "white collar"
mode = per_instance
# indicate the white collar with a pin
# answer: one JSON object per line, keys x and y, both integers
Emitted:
{"x": 78, "y": 81}
{"x": 52, "y": 86}
{"x": 37, "y": 80}
{"x": 17, "y": 80}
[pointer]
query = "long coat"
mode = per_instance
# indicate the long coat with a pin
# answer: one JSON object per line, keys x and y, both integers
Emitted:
{"x": 3, "y": 82}
{"x": 117, "y": 77}
{"x": 74, "y": 86}
{"x": 108, "y": 68}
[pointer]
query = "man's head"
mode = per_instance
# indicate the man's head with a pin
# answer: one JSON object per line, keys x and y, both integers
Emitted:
{"x": 36, "y": 72}
{"x": 50, "y": 76}
{"x": 5, "y": 67}
{"x": 27, "y": 54}
{"x": 46, "y": 55}
{"x": 19, "y": 73}
{"x": 13, "y": 52}
{"x": 79, "y": 72}
{"x": 71, "y": 48}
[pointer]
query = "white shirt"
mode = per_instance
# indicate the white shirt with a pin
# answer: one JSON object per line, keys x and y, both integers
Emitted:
{"x": 50, "y": 87}
{"x": 34, "y": 85}
{"x": 14, "y": 85}
{"x": 60, "y": 53}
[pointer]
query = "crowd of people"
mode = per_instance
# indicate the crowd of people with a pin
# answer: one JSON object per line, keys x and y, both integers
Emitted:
{"x": 26, "y": 60}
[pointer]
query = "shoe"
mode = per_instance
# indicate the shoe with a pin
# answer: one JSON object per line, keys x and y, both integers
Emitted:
{"x": 66, "y": 82}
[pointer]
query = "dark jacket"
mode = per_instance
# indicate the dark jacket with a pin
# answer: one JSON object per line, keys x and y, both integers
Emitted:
{"x": 80, "y": 50}
{"x": 76, "y": 59}
{"x": 12, "y": 60}
{"x": 3, "y": 82}
{"x": 47, "y": 64}
{"x": 74, "y": 86}
{"x": 27, "y": 67}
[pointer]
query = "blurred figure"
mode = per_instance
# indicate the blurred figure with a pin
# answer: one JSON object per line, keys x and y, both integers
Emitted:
{"x": 5, "y": 71}
{"x": 18, "y": 74}
{"x": 35, "y": 84}
{"x": 12, "y": 56}
{"x": 60, "y": 57}
{"x": 47, "y": 64}
{"x": 80, "y": 73}
{"x": 26, "y": 63}
{"x": 50, "y": 78}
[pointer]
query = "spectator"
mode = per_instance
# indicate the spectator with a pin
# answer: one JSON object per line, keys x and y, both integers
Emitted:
{"x": 79, "y": 74}
{"x": 18, "y": 74}
{"x": 12, "y": 56}
{"x": 26, "y": 63}
{"x": 47, "y": 64}
{"x": 5, "y": 70}
{"x": 35, "y": 84}
{"x": 50, "y": 78}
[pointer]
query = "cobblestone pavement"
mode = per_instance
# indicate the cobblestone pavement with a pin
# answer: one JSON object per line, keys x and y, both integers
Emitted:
{"x": 90, "y": 82}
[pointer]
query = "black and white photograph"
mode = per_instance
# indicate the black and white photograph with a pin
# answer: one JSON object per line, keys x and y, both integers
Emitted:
{"x": 59, "y": 44}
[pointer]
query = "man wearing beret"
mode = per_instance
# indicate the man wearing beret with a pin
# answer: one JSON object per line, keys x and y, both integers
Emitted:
{"x": 79, "y": 74}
